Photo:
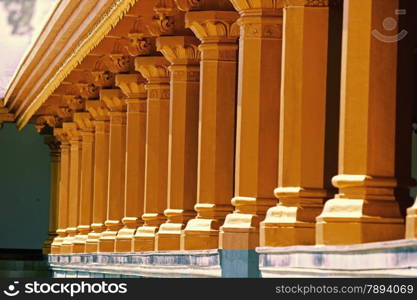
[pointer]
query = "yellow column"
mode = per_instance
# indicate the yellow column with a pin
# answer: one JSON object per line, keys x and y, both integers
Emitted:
{"x": 184, "y": 56}
{"x": 63, "y": 191}
{"x": 55, "y": 156}
{"x": 366, "y": 208}
{"x": 85, "y": 123}
{"x": 155, "y": 70}
{"x": 257, "y": 122}
{"x": 301, "y": 187}
{"x": 113, "y": 99}
{"x": 74, "y": 186}
{"x": 133, "y": 86}
{"x": 218, "y": 33}
{"x": 100, "y": 114}
{"x": 411, "y": 223}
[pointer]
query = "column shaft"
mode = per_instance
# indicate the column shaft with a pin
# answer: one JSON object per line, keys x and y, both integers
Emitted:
{"x": 218, "y": 33}
{"x": 63, "y": 192}
{"x": 154, "y": 69}
{"x": 133, "y": 86}
{"x": 116, "y": 181}
{"x": 87, "y": 187}
{"x": 101, "y": 167}
{"x": 74, "y": 187}
{"x": 257, "y": 124}
{"x": 183, "y": 53}
{"x": 301, "y": 187}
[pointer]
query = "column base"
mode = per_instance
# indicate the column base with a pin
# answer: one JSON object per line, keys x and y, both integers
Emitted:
{"x": 144, "y": 239}
{"x": 240, "y": 230}
{"x": 80, "y": 239}
{"x": 169, "y": 237}
{"x": 286, "y": 234}
{"x": 66, "y": 246}
{"x": 282, "y": 226}
{"x": 125, "y": 237}
{"x": 56, "y": 245}
{"x": 347, "y": 221}
{"x": 91, "y": 244}
{"x": 46, "y": 249}
{"x": 107, "y": 240}
{"x": 411, "y": 223}
{"x": 200, "y": 234}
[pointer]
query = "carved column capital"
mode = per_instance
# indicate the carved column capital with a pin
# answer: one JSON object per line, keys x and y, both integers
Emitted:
{"x": 45, "y": 120}
{"x": 179, "y": 50}
{"x": 61, "y": 136}
{"x": 113, "y": 99}
{"x": 218, "y": 31}
{"x": 97, "y": 110}
{"x": 153, "y": 68}
{"x": 132, "y": 85}
{"x": 84, "y": 121}
{"x": 214, "y": 26}
{"x": 71, "y": 129}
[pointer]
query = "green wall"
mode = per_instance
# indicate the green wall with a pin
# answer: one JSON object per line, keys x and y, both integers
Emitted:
{"x": 24, "y": 188}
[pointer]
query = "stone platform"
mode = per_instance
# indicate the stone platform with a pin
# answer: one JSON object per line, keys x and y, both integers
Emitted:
{"x": 384, "y": 259}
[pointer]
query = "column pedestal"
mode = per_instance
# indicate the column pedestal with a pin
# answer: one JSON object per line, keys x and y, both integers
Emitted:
{"x": 257, "y": 123}
{"x": 114, "y": 100}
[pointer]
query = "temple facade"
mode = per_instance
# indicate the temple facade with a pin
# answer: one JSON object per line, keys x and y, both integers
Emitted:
{"x": 234, "y": 138}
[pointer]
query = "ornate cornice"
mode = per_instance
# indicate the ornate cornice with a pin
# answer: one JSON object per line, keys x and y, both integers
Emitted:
{"x": 182, "y": 50}
{"x": 97, "y": 110}
{"x": 187, "y": 5}
{"x": 191, "y": 5}
{"x": 307, "y": 3}
{"x": 213, "y": 26}
{"x": 153, "y": 68}
{"x": 132, "y": 85}
{"x": 163, "y": 23}
{"x": 113, "y": 99}
{"x": 100, "y": 30}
